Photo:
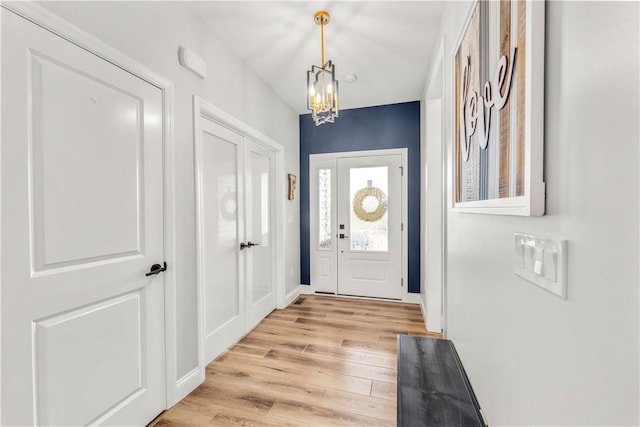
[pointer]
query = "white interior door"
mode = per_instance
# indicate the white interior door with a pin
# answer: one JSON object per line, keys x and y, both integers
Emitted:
{"x": 236, "y": 234}
{"x": 260, "y": 226}
{"x": 221, "y": 216}
{"x": 369, "y": 227}
{"x": 82, "y": 222}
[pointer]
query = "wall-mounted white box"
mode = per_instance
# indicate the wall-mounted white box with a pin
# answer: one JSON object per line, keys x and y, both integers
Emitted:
{"x": 542, "y": 261}
{"x": 190, "y": 60}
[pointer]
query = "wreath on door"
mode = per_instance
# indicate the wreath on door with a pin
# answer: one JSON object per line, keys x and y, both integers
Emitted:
{"x": 370, "y": 203}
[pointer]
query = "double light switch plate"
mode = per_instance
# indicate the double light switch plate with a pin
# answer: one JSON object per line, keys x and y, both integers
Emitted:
{"x": 542, "y": 261}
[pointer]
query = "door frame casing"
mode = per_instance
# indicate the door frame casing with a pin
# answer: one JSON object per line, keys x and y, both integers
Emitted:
{"x": 316, "y": 160}
{"x": 435, "y": 90}
{"x": 204, "y": 110}
{"x": 73, "y": 34}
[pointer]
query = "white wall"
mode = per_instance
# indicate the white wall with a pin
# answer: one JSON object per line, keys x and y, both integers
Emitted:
{"x": 151, "y": 32}
{"x": 533, "y": 358}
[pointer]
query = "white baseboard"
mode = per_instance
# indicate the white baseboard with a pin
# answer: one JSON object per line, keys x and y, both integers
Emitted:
{"x": 291, "y": 296}
{"x": 411, "y": 298}
{"x": 306, "y": 290}
{"x": 187, "y": 384}
{"x": 423, "y": 309}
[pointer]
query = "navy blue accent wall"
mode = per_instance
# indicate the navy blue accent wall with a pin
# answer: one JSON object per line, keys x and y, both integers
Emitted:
{"x": 371, "y": 128}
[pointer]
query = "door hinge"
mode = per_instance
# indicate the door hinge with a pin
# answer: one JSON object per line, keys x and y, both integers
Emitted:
{"x": 402, "y": 226}
{"x": 402, "y": 282}
{"x": 401, "y": 170}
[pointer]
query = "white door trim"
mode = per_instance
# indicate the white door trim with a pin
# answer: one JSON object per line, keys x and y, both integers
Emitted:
{"x": 77, "y": 36}
{"x": 435, "y": 91}
{"x": 202, "y": 108}
{"x": 403, "y": 152}
{"x": 444, "y": 188}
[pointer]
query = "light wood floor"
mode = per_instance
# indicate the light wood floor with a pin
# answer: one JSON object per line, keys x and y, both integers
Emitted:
{"x": 322, "y": 361}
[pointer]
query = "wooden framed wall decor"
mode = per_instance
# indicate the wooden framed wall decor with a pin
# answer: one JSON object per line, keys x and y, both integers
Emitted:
{"x": 499, "y": 109}
{"x": 292, "y": 186}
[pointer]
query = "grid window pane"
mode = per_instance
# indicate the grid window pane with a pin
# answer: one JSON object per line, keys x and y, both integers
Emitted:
{"x": 324, "y": 206}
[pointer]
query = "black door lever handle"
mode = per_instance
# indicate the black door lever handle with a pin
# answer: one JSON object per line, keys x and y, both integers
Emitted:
{"x": 248, "y": 245}
{"x": 156, "y": 269}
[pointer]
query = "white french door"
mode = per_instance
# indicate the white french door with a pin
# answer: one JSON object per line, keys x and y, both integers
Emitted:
{"x": 236, "y": 234}
{"x": 221, "y": 229}
{"x": 260, "y": 225}
{"x": 356, "y": 222}
{"x": 82, "y": 222}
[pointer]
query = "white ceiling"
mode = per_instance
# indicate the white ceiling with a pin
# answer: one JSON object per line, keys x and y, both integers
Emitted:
{"x": 388, "y": 44}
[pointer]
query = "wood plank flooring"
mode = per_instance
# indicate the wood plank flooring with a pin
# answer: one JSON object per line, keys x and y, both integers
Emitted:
{"x": 322, "y": 361}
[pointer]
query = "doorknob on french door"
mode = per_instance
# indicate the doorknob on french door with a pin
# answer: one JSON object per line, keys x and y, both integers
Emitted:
{"x": 342, "y": 236}
{"x": 248, "y": 245}
{"x": 156, "y": 269}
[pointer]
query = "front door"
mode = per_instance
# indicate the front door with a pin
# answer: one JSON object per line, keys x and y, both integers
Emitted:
{"x": 82, "y": 222}
{"x": 356, "y": 209}
{"x": 370, "y": 226}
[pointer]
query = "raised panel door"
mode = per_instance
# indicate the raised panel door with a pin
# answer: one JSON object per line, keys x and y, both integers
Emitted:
{"x": 82, "y": 222}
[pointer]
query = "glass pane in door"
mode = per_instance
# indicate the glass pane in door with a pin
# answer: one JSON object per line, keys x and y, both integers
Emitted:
{"x": 368, "y": 208}
{"x": 324, "y": 207}
{"x": 260, "y": 227}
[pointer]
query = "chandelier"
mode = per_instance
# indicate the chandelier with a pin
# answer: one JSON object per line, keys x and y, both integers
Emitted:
{"x": 322, "y": 86}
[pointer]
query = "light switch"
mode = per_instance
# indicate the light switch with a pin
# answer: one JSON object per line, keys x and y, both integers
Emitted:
{"x": 537, "y": 265}
{"x": 528, "y": 255}
{"x": 550, "y": 264}
{"x": 518, "y": 253}
{"x": 541, "y": 261}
